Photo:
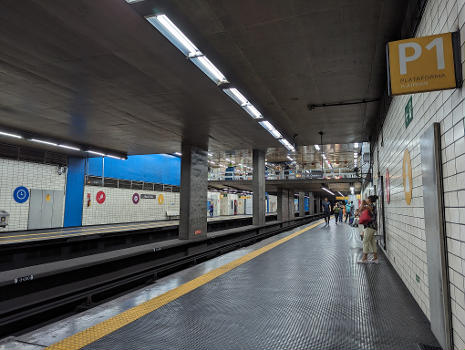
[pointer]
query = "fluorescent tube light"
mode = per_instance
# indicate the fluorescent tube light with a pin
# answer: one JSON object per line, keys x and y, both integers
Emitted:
{"x": 10, "y": 135}
{"x": 236, "y": 96}
{"x": 209, "y": 69}
{"x": 271, "y": 129}
{"x": 44, "y": 142}
{"x": 163, "y": 22}
{"x": 178, "y": 154}
{"x": 288, "y": 157}
{"x": 96, "y": 153}
{"x": 114, "y": 157}
{"x": 254, "y": 113}
{"x": 340, "y": 194}
{"x": 356, "y": 145}
{"x": 317, "y": 147}
{"x": 287, "y": 144}
{"x": 325, "y": 189}
{"x": 324, "y": 156}
{"x": 69, "y": 147}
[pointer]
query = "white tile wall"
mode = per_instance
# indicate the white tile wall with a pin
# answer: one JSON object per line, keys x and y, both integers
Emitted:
{"x": 405, "y": 224}
{"x": 118, "y": 206}
{"x": 15, "y": 173}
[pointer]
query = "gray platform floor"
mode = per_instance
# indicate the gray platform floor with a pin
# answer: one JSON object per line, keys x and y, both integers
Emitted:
{"x": 308, "y": 293}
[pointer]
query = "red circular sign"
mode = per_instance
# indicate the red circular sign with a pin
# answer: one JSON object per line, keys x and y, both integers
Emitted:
{"x": 100, "y": 197}
{"x": 388, "y": 187}
{"x": 135, "y": 198}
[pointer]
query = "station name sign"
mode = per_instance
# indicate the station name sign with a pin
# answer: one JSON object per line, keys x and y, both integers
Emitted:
{"x": 424, "y": 64}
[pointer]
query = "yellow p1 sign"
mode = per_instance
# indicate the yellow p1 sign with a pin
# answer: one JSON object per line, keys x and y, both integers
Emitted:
{"x": 424, "y": 64}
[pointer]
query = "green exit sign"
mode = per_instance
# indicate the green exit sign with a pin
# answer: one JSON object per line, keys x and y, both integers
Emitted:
{"x": 408, "y": 112}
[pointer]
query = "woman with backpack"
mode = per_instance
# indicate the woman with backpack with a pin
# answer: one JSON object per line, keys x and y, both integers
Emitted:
{"x": 367, "y": 220}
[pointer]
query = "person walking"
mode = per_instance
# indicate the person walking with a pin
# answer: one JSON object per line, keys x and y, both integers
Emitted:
{"x": 336, "y": 212}
{"x": 367, "y": 219}
{"x": 341, "y": 211}
{"x": 326, "y": 210}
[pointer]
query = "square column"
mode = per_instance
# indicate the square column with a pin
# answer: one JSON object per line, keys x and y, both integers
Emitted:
{"x": 283, "y": 205}
{"x": 291, "y": 207}
{"x": 311, "y": 203}
{"x": 258, "y": 187}
{"x": 301, "y": 204}
{"x": 194, "y": 188}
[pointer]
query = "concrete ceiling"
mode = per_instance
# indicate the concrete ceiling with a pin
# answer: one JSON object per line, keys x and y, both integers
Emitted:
{"x": 288, "y": 54}
{"x": 96, "y": 73}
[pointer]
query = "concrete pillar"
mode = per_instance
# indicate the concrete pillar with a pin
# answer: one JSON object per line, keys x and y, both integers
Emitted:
{"x": 194, "y": 188}
{"x": 258, "y": 186}
{"x": 301, "y": 204}
{"x": 283, "y": 205}
{"x": 311, "y": 203}
{"x": 291, "y": 205}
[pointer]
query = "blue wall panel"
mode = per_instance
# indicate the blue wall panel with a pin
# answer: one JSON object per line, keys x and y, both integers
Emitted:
{"x": 160, "y": 168}
{"x": 74, "y": 192}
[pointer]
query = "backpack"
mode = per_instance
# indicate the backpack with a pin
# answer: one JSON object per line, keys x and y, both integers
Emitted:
{"x": 365, "y": 217}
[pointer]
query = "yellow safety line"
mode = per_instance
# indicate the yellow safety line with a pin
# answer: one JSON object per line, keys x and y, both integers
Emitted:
{"x": 94, "y": 333}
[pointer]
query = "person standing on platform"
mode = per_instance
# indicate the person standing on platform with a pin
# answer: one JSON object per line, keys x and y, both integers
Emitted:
{"x": 341, "y": 211}
{"x": 368, "y": 220}
{"x": 348, "y": 209}
{"x": 326, "y": 210}
{"x": 211, "y": 210}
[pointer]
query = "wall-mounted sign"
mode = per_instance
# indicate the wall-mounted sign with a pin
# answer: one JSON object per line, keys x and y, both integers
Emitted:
{"x": 408, "y": 112}
{"x": 388, "y": 187}
{"x": 100, "y": 197}
{"x": 424, "y": 64}
{"x": 135, "y": 198}
{"x": 21, "y": 194}
{"x": 407, "y": 177}
{"x": 148, "y": 196}
{"x": 161, "y": 199}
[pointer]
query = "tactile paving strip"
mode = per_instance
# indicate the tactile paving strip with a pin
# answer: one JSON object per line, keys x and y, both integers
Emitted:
{"x": 308, "y": 293}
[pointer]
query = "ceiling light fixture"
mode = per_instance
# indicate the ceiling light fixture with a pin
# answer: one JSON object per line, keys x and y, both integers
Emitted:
{"x": 114, "y": 157}
{"x": 317, "y": 147}
{"x": 356, "y": 145}
{"x": 96, "y": 153}
{"x": 69, "y": 147}
{"x": 325, "y": 189}
{"x": 44, "y": 142}
{"x": 236, "y": 96}
{"x": 166, "y": 27}
{"x": 10, "y": 135}
{"x": 271, "y": 129}
{"x": 178, "y": 154}
{"x": 340, "y": 194}
{"x": 206, "y": 66}
{"x": 172, "y": 33}
{"x": 253, "y": 112}
{"x": 287, "y": 144}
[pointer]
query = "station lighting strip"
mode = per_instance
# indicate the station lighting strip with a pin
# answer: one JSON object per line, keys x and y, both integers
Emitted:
{"x": 325, "y": 189}
{"x": 171, "y": 32}
{"x": 60, "y": 145}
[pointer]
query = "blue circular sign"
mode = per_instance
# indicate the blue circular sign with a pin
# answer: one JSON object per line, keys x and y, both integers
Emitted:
{"x": 21, "y": 194}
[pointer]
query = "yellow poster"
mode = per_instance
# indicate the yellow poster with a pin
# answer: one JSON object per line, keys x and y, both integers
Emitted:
{"x": 422, "y": 64}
